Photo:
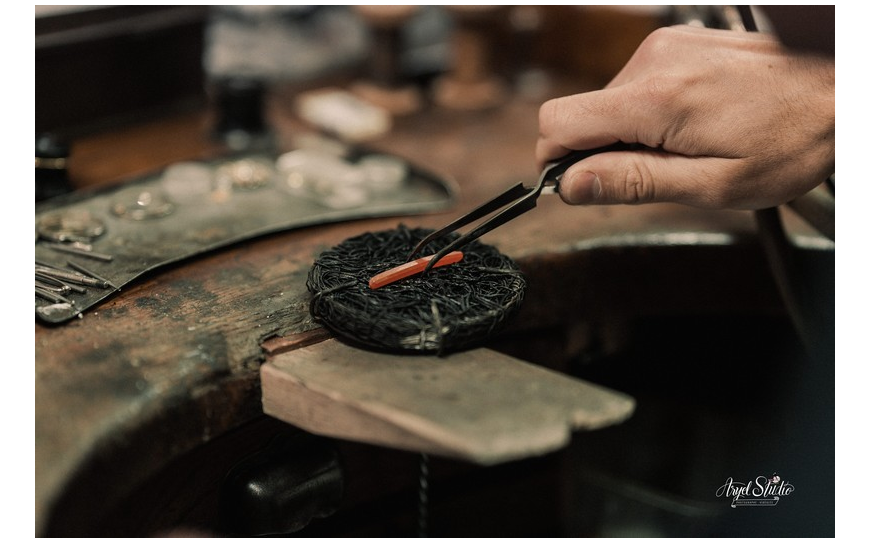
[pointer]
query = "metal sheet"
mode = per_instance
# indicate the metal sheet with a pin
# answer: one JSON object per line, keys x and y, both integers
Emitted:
{"x": 186, "y": 224}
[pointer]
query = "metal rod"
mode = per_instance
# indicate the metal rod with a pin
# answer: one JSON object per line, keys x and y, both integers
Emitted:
{"x": 80, "y": 252}
{"x": 52, "y": 297}
{"x": 51, "y": 280}
{"x": 83, "y": 270}
{"x": 46, "y": 265}
{"x": 61, "y": 290}
{"x": 72, "y": 277}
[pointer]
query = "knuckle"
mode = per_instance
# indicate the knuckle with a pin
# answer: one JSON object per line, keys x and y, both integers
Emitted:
{"x": 660, "y": 102}
{"x": 658, "y": 41}
{"x": 573, "y": 109}
{"x": 659, "y": 91}
{"x": 559, "y": 118}
{"x": 638, "y": 186}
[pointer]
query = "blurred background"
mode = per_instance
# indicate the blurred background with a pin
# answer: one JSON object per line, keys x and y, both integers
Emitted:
{"x": 97, "y": 65}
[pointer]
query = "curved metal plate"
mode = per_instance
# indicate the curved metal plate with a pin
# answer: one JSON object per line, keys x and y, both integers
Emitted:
{"x": 198, "y": 207}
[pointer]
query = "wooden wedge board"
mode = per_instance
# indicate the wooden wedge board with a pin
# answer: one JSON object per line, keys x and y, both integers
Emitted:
{"x": 480, "y": 406}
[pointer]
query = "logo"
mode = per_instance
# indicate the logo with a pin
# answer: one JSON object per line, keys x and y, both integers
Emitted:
{"x": 762, "y": 491}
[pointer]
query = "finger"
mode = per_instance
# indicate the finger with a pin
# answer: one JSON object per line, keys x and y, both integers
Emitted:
{"x": 635, "y": 177}
{"x": 547, "y": 150}
{"x": 562, "y": 129}
{"x": 599, "y": 118}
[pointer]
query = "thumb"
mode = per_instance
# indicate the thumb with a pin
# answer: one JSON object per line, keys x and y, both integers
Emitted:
{"x": 637, "y": 177}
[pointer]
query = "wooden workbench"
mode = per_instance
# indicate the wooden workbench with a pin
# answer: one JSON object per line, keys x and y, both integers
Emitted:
{"x": 172, "y": 361}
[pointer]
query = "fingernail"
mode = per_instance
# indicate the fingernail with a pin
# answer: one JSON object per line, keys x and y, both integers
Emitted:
{"x": 584, "y": 189}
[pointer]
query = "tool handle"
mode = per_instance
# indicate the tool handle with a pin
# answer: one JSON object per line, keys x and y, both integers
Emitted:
{"x": 554, "y": 170}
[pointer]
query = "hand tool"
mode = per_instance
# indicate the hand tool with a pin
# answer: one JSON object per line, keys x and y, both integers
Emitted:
{"x": 515, "y": 201}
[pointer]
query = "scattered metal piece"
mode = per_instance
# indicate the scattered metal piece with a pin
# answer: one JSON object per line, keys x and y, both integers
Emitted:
{"x": 72, "y": 277}
{"x": 76, "y": 289}
{"x": 51, "y": 280}
{"x": 48, "y": 311}
{"x": 52, "y": 297}
{"x": 60, "y": 290}
{"x": 83, "y": 270}
{"x": 66, "y": 248}
{"x": 328, "y": 180}
{"x": 80, "y": 245}
{"x": 187, "y": 182}
{"x": 143, "y": 205}
{"x": 383, "y": 172}
{"x": 70, "y": 226}
{"x": 245, "y": 173}
{"x": 201, "y": 221}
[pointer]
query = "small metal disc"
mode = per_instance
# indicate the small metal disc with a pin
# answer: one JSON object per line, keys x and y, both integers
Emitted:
{"x": 322, "y": 178}
{"x": 245, "y": 173}
{"x": 383, "y": 172}
{"x": 141, "y": 205}
{"x": 187, "y": 182}
{"x": 351, "y": 196}
{"x": 70, "y": 226}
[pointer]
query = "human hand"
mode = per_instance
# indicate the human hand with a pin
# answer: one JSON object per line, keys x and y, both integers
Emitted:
{"x": 733, "y": 120}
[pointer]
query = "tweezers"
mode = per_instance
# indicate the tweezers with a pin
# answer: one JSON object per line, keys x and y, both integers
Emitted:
{"x": 516, "y": 201}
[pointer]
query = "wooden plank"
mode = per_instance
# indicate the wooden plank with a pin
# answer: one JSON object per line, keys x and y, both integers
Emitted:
{"x": 479, "y": 405}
